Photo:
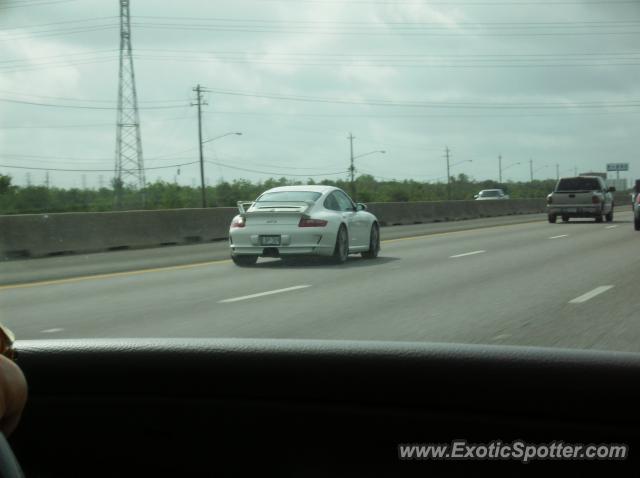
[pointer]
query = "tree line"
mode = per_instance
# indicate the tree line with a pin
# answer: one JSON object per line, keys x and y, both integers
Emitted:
{"x": 166, "y": 195}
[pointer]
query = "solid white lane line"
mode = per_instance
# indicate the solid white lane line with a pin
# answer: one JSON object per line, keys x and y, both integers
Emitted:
{"x": 262, "y": 294}
{"x": 466, "y": 254}
{"x": 591, "y": 294}
{"x": 51, "y": 331}
{"x": 558, "y": 237}
{"x": 610, "y": 227}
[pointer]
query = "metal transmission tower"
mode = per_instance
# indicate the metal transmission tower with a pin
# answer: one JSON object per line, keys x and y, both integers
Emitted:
{"x": 129, "y": 163}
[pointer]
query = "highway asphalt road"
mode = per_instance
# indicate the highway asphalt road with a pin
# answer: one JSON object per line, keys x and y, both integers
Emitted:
{"x": 533, "y": 283}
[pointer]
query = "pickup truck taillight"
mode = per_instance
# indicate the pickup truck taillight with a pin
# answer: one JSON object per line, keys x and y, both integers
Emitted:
{"x": 238, "y": 221}
{"x": 595, "y": 199}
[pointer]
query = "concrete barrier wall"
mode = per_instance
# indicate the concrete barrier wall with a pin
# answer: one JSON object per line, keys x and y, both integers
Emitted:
{"x": 44, "y": 234}
{"x": 34, "y": 235}
{"x": 396, "y": 213}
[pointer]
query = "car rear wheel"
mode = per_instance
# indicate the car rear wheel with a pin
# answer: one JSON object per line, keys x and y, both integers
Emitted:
{"x": 609, "y": 217}
{"x": 565, "y": 218}
{"x": 552, "y": 218}
{"x": 341, "y": 250}
{"x": 636, "y": 224}
{"x": 244, "y": 260}
{"x": 374, "y": 243}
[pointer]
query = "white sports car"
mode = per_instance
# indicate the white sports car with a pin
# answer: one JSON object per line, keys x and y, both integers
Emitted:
{"x": 303, "y": 220}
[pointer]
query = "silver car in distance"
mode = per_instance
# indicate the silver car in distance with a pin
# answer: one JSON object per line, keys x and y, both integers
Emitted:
{"x": 303, "y": 220}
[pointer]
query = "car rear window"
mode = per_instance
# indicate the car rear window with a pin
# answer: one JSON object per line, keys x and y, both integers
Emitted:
{"x": 489, "y": 194}
{"x": 578, "y": 184}
{"x": 286, "y": 196}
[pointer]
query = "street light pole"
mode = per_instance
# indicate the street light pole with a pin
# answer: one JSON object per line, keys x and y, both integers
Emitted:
{"x": 199, "y": 102}
{"x": 531, "y": 169}
{"x": 352, "y": 168}
{"x": 500, "y": 169}
{"x": 446, "y": 152}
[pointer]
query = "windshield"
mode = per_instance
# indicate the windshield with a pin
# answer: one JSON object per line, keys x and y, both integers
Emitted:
{"x": 135, "y": 134}
{"x": 578, "y": 184}
{"x": 285, "y": 196}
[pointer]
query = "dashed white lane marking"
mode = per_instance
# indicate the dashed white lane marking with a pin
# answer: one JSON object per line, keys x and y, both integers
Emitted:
{"x": 262, "y": 294}
{"x": 51, "y": 331}
{"x": 466, "y": 254}
{"x": 558, "y": 237}
{"x": 591, "y": 294}
{"x": 610, "y": 227}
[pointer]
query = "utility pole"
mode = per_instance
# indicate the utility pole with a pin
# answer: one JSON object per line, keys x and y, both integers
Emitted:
{"x": 129, "y": 162}
{"x": 557, "y": 171}
{"x": 575, "y": 171}
{"x": 446, "y": 155}
{"x": 352, "y": 168}
{"x": 199, "y": 102}
{"x": 531, "y": 169}
{"x": 28, "y": 178}
{"x": 500, "y": 169}
{"x": 47, "y": 181}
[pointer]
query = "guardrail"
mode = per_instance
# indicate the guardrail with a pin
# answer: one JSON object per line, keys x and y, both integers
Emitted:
{"x": 36, "y": 235}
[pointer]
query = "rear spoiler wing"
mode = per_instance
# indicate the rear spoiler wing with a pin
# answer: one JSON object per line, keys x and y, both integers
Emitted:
{"x": 301, "y": 207}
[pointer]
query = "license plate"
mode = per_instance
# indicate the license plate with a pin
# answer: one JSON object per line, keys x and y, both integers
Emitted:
{"x": 270, "y": 240}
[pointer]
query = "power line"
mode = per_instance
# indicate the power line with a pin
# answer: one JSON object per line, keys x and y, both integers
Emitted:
{"x": 463, "y": 3}
{"x": 87, "y": 100}
{"x": 91, "y": 170}
{"x": 274, "y": 173}
{"x": 53, "y": 105}
{"x": 368, "y": 32}
{"x": 431, "y": 104}
{"x": 9, "y": 5}
{"x": 385, "y": 23}
{"x": 63, "y": 22}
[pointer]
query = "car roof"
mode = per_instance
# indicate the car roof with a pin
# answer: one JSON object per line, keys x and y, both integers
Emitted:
{"x": 316, "y": 188}
{"x": 576, "y": 177}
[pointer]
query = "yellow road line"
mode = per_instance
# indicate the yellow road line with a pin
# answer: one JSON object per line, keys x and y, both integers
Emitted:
{"x": 71, "y": 280}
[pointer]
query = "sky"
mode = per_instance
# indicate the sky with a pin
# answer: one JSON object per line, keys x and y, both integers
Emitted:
{"x": 554, "y": 83}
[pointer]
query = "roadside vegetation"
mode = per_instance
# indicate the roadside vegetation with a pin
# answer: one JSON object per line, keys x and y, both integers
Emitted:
{"x": 164, "y": 195}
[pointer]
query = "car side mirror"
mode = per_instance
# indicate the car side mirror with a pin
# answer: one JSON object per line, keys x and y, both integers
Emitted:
{"x": 612, "y": 189}
{"x": 361, "y": 207}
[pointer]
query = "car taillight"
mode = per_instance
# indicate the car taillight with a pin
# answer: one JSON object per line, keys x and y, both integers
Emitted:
{"x": 595, "y": 199}
{"x": 308, "y": 222}
{"x": 237, "y": 222}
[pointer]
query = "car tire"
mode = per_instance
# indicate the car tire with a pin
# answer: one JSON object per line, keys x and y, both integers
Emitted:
{"x": 374, "y": 243}
{"x": 609, "y": 217}
{"x": 565, "y": 218}
{"x": 636, "y": 224}
{"x": 341, "y": 249}
{"x": 552, "y": 218}
{"x": 244, "y": 260}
